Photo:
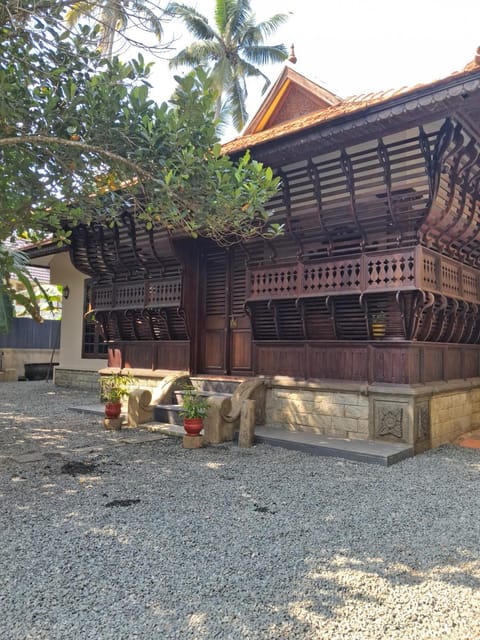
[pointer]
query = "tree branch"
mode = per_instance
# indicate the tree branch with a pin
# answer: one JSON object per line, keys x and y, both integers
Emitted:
{"x": 39, "y": 140}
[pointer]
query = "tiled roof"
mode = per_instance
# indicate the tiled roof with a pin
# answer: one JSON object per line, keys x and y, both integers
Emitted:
{"x": 347, "y": 106}
{"x": 42, "y": 274}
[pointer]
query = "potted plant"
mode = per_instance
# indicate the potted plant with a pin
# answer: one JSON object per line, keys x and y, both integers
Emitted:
{"x": 113, "y": 388}
{"x": 194, "y": 408}
{"x": 377, "y": 323}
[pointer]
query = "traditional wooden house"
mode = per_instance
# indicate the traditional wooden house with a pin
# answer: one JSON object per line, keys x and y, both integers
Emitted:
{"x": 364, "y": 316}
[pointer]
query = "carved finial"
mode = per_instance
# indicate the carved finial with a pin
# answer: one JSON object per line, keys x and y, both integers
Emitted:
{"x": 292, "y": 57}
{"x": 477, "y": 56}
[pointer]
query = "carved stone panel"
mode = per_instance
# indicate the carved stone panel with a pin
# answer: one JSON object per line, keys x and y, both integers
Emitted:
{"x": 422, "y": 421}
{"x": 390, "y": 421}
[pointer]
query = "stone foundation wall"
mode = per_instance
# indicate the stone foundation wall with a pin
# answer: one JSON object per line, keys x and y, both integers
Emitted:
{"x": 424, "y": 416}
{"x": 342, "y": 412}
{"x": 77, "y": 379}
{"x": 454, "y": 413}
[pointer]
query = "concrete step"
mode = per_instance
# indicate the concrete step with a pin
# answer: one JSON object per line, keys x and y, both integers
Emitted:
{"x": 369, "y": 451}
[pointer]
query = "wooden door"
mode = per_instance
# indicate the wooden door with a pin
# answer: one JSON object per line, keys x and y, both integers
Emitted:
{"x": 226, "y": 339}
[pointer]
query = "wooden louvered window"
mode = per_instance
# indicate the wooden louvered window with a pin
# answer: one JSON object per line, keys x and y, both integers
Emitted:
{"x": 92, "y": 344}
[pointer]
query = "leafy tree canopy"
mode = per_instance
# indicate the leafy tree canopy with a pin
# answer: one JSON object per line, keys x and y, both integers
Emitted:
{"x": 81, "y": 140}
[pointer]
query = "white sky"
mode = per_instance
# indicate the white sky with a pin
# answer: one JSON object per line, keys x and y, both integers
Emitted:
{"x": 359, "y": 46}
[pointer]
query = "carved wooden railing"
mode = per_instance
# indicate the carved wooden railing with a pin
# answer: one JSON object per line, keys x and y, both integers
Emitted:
{"x": 138, "y": 295}
{"x": 407, "y": 269}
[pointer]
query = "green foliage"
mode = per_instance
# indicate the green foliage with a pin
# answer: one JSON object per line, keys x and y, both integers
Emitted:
{"x": 194, "y": 405}
{"x": 19, "y": 288}
{"x": 81, "y": 140}
{"x": 115, "y": 387}
{"x": 232, "y": 51}
{"x": 113, "y": 18}
{"x": 377, "y": 317}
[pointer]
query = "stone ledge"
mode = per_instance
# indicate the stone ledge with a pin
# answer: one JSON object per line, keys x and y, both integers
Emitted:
{"x": 369, "y": 451}
{"x": 141, "y": 373}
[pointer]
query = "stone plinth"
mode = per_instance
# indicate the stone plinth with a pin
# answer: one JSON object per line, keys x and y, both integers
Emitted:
{"x": 192, "y": 442}
{"x": 112, "y": 424}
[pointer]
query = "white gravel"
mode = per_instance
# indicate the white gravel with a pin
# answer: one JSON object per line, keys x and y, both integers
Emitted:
{"x": 222, "y": 542}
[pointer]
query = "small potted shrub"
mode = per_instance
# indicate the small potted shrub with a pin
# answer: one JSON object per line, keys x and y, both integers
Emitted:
{"x": 194, "y": 409}
{"x": 377, "y": 321}
{"x": 113, "y": 388}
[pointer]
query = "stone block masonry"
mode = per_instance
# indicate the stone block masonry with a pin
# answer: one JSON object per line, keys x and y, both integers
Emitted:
{"x": 77, "y": 379}
{"x": 424, "y": 416}
{"x": 314, "y": 407}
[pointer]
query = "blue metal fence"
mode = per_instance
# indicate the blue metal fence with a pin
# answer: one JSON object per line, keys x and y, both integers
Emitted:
{"x": 25, "y": 333}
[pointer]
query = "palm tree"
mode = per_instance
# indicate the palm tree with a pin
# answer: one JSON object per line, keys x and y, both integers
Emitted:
{"x": 114, "y": 16}
{"x": 231, "y": 51}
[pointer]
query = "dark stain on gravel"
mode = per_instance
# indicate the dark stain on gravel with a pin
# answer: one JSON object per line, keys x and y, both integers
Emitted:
{"x": 74, "y": 468}
{"x": 123, "y": 503}
{"x": 259, "y": 509}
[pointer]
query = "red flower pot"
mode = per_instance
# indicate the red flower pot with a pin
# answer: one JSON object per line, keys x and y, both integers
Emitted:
{"x": 113, "y": 409}
{"x": 193, "y": 426}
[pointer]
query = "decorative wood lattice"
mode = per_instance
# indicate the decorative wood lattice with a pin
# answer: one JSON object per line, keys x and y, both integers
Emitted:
{"x": 410, "y": 269}
{"x": 392, "y": 271}
{"x": 147, "y": 294}
{"x": 276, "y": 282}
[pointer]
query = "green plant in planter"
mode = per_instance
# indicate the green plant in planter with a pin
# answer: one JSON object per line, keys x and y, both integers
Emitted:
{"x": 377, "y": 317}
{"x": 194, "y": 405}
{"x": 377, "y": 320}
{"x": 115, "y": 387}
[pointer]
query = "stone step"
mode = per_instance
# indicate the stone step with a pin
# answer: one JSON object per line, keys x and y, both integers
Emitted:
{"x": 164, "y": 427}
{"x": 216, "y": 385}
{"x": 179, "y": 394}
{"x": 369, "y": 451}
{"x": 168, "y": 413}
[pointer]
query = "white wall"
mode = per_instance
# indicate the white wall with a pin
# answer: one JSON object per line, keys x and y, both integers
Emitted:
{"x": 70, "y": 357}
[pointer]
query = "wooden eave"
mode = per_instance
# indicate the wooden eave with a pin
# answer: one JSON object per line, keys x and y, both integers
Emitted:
{"x": 358, "y": 118}
{"x": 44, "y": 249}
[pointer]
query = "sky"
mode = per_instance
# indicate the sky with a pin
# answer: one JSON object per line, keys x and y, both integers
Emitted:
{"x": 353, "y": 47}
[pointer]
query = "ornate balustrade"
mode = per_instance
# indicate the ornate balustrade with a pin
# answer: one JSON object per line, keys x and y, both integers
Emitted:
{"x": 407, "y": 269}
{"x": 139, "y": 295}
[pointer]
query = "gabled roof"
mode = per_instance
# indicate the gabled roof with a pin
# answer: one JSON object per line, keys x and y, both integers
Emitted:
{"x": 292, "y": 96}
{"x": 255, "y": 134}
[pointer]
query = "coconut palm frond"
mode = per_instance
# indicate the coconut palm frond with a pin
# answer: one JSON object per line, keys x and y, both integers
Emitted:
{"x": 195, "y": 22}
{"x": 196, "y": 54}
{"x": 114, "y": 17}
{"x": 262, "y": 55}
{"x": 236, "y": 102}
{"x": 239, "y": 48}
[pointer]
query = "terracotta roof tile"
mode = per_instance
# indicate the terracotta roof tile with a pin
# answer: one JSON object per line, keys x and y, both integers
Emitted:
{"x": 345, "y": 107}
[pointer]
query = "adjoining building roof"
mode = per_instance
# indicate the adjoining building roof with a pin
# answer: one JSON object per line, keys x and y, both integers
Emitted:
{"x": 269, "y": 125}
{"x": 40, "y": 274}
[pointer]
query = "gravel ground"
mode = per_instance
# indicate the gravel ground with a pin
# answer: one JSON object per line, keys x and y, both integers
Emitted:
{"x": 105, "y": 540}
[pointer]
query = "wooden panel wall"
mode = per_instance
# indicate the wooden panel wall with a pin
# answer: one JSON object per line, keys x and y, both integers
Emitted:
{"x": 382, "y": 362}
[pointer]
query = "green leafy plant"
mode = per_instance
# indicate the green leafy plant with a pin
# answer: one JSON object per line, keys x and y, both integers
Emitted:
{"x": 115, "y": 387}
{"x": 377, "y": 317}
{"x": 194, "y": 405}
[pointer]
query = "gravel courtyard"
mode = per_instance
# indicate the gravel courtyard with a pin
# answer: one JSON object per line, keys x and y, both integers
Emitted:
{"x": 106, "y": 537}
